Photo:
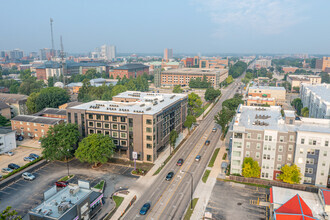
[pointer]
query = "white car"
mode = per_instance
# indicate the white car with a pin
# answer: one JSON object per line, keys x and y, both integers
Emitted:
{"x": 10, "y": 153}
{"x": 28, "y": 176}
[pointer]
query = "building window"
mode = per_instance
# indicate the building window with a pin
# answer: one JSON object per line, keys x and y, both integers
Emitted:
{"x": 291, "y": 138}
{"x": 114, "y": 126}
{"x": 122, "y": 119}
{"x": 149, "y": 138}
{"x": 266, "y": 137}
{"x": 114, "y": 118}
{"x": 301, "y": 150}
{"x": 325, "y": 153}
{"x": 326, "y": 143}
{"x": 149, "y": 146}
{"x": 115, "y": 141}
{"x": 247, "y": 153}
{"x": 106, "y": 117}
{"x": 28, "y": 129}
{"x": 123, "y": 127}
{"x": 290, "y": 148}
{"x": 27, "y": 123}
{"x": 309, "y": 170}
{"x": 98, "y": 124}
{"x": 259, "y": 136}
{"x": 91, "y": 124}
{"x": 238, "y": 135}
{"x": 281, "y": 138}
{"x": 91, "y": 131}
{"x": 106, "y": 125}
{"x": 149, "y": 130}
{"x": 258, "y": 146}
{"x": 35, "y": 129}
{"x": 309, "y": 161}
{"x": 149, "y": 121}
{"x": 289, "y": 157}
{"x": 90, "y": 116}
{"x": 107, "y": 133}
{"x": 248, "y": 144}
{"x": 278, "y": 166}
{"x": 248, "y": 135}
{"x": 123, "y": 143}
{"x": 99, "y": 131}
{"x": 257, "y": 155}
{"x": 302, "y": 141}
{"x": 123, "y": 135}
{"x": 279, "y": 158}
{"x": 149, "y": 157}
{"x": 280, "y": 148}
{"x": 311, "y": 151}
{"x": 323, "y": 164}
{"x": 98, "y": 117}
{"x": 115, "y": 134}
{"x": 322, "y": 173}
{"x": 307, "y": 180}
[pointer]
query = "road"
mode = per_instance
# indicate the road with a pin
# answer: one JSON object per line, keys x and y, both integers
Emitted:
{"x": 169, "y": 199}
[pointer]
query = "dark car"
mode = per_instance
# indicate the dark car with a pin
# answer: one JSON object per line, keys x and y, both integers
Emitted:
{"x": 35, "y": 156}
{"x": 13, "y": 166}
{"x": 169, "y": 176}
{"x": 207, "y": 142}
{"x": 145, "y": 209}
{"x": 30, "y": 159}
{"x": 19, "y": 138}
{"x": 180, "y": 162}
{"x": 62, "y": 184}
{"x": 198, "y": 158}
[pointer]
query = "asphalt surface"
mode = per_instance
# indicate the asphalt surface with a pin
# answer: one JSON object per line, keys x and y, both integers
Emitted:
{"x": 169, "y": 199}
{"x": 24, "y": 195}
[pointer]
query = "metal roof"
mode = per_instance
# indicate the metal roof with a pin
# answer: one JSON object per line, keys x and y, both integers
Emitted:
{"x": 131, "y": 66}
{"x": 37, "y": 119}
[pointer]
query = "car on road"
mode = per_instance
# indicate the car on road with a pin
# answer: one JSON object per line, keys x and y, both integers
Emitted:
{"x": 13, "y": 166}
{"x": 30, "y": 159}
{"x": 61, "y": 184}
{"x": 6, "y": 170}
{"x": 145, "y": 208}
{"x": 207, "y": 142}
{"x": 169, "y": 176}
{"x": 9, "y": 153}
{"x": 180, "y": 162}
{"x": 198, "y": 158}
{"x": 28, "y": 176}
{"x": 214, "y": 129}
{"x": 35, "y": 156}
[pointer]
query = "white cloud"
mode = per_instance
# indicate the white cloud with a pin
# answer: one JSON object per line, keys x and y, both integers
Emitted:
{"x": 261, "y": 16}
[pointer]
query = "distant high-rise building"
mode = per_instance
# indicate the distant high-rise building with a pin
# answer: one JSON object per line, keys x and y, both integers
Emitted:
{"x": 168, "y": 53}
{"x": 15, "y": 54}
{"x": 2, "y": 54}
{"x": 323, "y": 64}
{"x": 47, "y": 54}
{"x": 108, "y": 52}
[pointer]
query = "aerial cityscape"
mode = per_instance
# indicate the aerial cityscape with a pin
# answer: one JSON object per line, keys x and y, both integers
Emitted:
{"x": 213, "y": 109}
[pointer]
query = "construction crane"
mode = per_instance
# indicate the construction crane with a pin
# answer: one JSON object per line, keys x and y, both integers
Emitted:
{"x": 62, "y": 60}
{"x": 51, "y": 33}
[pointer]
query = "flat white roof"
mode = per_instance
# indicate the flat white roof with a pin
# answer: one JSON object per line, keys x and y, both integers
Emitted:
{"x": 320, "y": 90}
{"x": 267, "y": 87}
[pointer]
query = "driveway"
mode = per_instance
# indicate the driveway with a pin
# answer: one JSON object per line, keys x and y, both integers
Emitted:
{"x": 24, "y": 195}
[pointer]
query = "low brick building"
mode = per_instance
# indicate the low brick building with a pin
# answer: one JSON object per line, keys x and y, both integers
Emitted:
{"x": 52, "y": 113}
{"x": 34, "y": 127}
{"x": 130, "y": 70}
{"x": 5, "y": 110}
{"x": 16, "y": 102}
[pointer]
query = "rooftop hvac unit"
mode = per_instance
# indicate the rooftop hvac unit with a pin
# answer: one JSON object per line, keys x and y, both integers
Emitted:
{"x": 63, "y": 207}
{"x": 74, "y": 190}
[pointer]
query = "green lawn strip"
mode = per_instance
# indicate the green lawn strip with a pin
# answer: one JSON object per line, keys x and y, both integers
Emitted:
{"x": 66, "y": 178}
{"x": 190, "y": 211}
{"x": 206, "y": 175}
{"x": 214, "y": 156}
{"x": 250, "y": 184}
{"x": 99, "y": 185}
{"x": 224, "y": 156}
{"x": 118, "y": 200}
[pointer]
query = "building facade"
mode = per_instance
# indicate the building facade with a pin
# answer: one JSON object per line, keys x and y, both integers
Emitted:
{"x": 184, "y": 75}
{"x": 5, "y": 110}
{"x": 323, "y": 63}
{"x": 297, "y": 80}
{"x": 7, "y": 140}
{"x": 168, "y": 54}
{"x": 274, "y": 141}
{"x": 260, "y": 101}
{"x": 262, "y": 63}
{"x": 278, "y": 93}
{"x": 130, "y": 70}
{"x": 16, "y": 102}
{"x": 138, "y": 122}
{"x": 317, "y": 99}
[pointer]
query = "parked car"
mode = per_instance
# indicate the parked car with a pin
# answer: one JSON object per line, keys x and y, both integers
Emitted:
{"x": 169, "y": 176}
{"x": 30, "y": 159}
{"x": 207, "y": 142}
{"x": 19, "y": 138}
{"x": 198, "y": 158}
{"x": 145, "y": 208}
{"x": 35, "y": 156}
{"x": 6, "y": 170}
{"x": 61, "y": 184}
{"x": 9, "y": 153}
{"x": 180, "y": 162}
{"x": 0, "y": 176}
{"x": 214, "y": 129}
{"x": 13, "y": 166}
{"x": 28, "y": 176}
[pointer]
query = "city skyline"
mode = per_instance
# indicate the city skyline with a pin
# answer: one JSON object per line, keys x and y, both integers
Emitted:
{"x": 190, "y": 26}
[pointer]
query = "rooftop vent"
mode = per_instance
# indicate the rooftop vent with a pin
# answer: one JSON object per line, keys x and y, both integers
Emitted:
{"x": 148, "y": 109}
{"x": 172, "y": 96}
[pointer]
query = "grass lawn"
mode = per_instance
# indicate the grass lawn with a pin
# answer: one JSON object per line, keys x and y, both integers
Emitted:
{"x": 214, "y": 156}
{"x": 99, "y": 185}
{"x": 206, "y": 175}
{"x": 118, "y": 200}
{"x": 250, "y": 184}
{"x": 66, "y": 178}
{"x": 190, "y": 211}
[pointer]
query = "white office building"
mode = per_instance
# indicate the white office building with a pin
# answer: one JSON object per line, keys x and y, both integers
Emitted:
{"x": 108, "y": 52}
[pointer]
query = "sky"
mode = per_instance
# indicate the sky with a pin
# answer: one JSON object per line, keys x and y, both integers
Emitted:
{"x": 187, "y": 26}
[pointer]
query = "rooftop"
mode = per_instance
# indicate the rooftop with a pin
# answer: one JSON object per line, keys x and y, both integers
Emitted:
{"x": 12, "y": 98}
{"x": 51, "y": 111}
{"x": 3, "y": 105}
{"x": 195, "y": 71}
{"x": 36, "y": 119}
{"x": 267, "y": 87}
{"x": 326, "y": 196}
{"x": 5, "y": 131}
{"x": 147, "y": 103}
{"x": 320, "y": 90}
{"x": 131, "y": 66}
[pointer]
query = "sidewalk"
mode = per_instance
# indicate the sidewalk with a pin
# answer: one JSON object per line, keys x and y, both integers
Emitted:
{"x": 203, "y": 190}
{"x": 143, "y": 183}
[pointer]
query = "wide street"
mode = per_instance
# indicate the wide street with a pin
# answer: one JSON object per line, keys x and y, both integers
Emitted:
{"x": 169, "y": 199}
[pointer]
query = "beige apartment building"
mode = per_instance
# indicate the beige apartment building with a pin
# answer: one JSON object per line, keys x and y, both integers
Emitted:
{"x": 278, "y": 93}
{"x": 296, "y": 80}
{"x": 138, "y": 122}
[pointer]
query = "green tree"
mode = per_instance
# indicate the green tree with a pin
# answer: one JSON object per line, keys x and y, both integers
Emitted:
{"x": 118, "y": 89}
{"x": 223, "y": 117}
{"x": 290, "y": 174}
{"x": 229, "y": 79}
{"x": 173, "y": 136}
{"x": 3, "y": 121}
{"x": 237, "y": 69}
{"x": 190, "y": 120}
{"x": 177, "y": 89}
{"x": 297, "y": 104}
{"x": 96, "y": 148}
{"x": 250, "y": 168}
{"x": 305, "y": 112}
{"x": 296, "y": 88}
{"x": 194, "y": 103}
{"x": 30, "y": 85}
{"x": 130, "y": 86}
{"x": 60, "y": 141}
{"x": 211, "y": 94}
{"x": 25, "y": 74}
{"x": 50, "y": 81}
{"x": 232, "y": 103}
{"x": 9, "y": 214}
{"x": 31, "y": 103}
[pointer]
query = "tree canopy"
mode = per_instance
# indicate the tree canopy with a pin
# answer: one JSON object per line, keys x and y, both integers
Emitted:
{"x": 96, "y": 148}
{"x": 199, "y": 83}
{"x": 250, "y": 168}
{"x": 60, "y": 141}
{"x": 9, "y": 214}
{"x": 223, "y": 117}
{"x": 297, "y": 104}
{"x": 237, "y": 69}
{"x": 194, "y": 103}
{"x": 190, "y": 120}
{"x": 290, "y": 174}
{"x": 3, "y": 121}
{"x": 173, "y": 136}
{"x": 305, "y": 112}
{"x": 177, "y": 89}
{"x": 211, "y": 94}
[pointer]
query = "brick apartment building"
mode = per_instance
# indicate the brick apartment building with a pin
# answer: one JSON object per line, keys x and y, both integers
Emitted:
{"x": 279, "y": 93}
{"x": 5, "y": 110}
{"x": 210, "y": 63}
{"x": 34, "y": 127}
{"x": 323, "y": 64}
{"x": 138, "y": 122}
{"x": 297, "y": 80}
{"x": 52, "y": 113}
{"x": 184, "y": 75}
{"x": 130, "y": 70}
{"x": 274, "y": 141}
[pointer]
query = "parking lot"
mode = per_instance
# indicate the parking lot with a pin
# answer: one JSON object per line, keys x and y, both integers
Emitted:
{"x": 19, "y": 153}
{"x": 24, "y": 195}
{"x": 236, "y": 201}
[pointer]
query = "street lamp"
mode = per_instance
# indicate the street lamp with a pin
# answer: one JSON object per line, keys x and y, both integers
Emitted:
{"x": 67, "y": 164}
{"x": 191, "y": 192}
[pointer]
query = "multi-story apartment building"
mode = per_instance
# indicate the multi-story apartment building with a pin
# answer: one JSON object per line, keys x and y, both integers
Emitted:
{"x": 323, "y": 64}
{"x": 297, "y": 80}
{"x": 130, "y": 70}
{"x": 183, "y": 76}
{"x": 137, "y": 121}
{"x": 262, "y": 63}
{"x": 7, "y": 140}
{"x": 34, "y": 127}
{"x": 278, "y": 93}
{"x": 317, "y": 99}
{"x": 168, "y": 54}
{"x": 272, "y": 140}
{"x": 260, "y": 101}
{"x": 210, "y": 63}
